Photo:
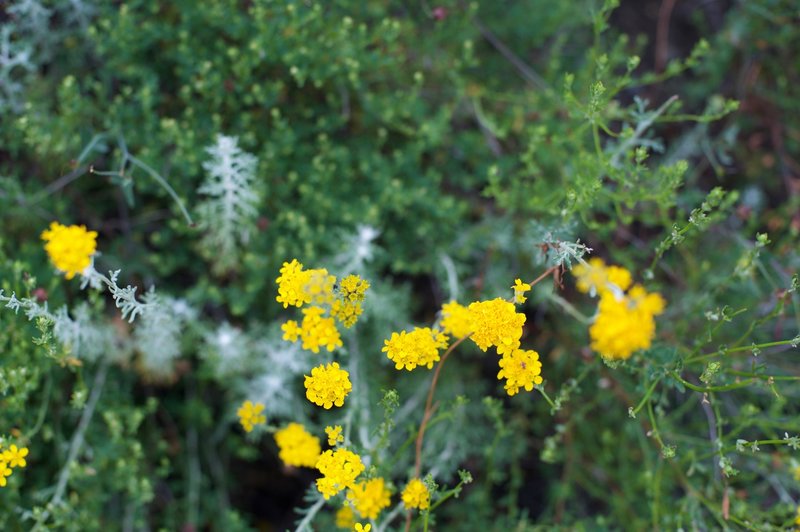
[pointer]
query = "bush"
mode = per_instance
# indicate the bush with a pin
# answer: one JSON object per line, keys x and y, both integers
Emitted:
{"x": 424, "y": 183}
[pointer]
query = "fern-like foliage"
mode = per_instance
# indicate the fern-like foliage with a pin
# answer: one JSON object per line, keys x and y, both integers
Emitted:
{"x": 15, "y": 62}
{"x": 158, "y": 334}
{"x": 228, "y": 214}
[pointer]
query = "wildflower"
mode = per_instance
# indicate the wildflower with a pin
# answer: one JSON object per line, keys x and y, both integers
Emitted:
{"x": 250, "y": 415}
{"x": 334, "y": 435}
{"x": 15, "y": 456}
{"x": 416, "y": 495}
{"x": 625, "y": 323}
{"x": 297, "y": 447}
{"x": 455, "y": 320}
{"x": 420, "y": 347}
{"x": 345, "y": 517}
{"x": 291, "y": 331}
{"x": 521, "y": 369}
{"x": 70, "y": 248}
{"x": 5, "y": 471}
{"x": 347, "y": 308}
{"x": 339, "y": 469}
{"x": 362, "y": 528}
{"x": 328, "y": 385}
{"x": 595, "y": 277}
{"x": 318, "y": 331}
{"x": 369, "y": 497}
{"x": 519, "y": 291}
{"x": 298, "y": 287}
{"x": 496, "y": 323}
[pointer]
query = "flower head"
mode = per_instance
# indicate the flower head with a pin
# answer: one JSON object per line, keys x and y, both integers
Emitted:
{"x": 625, "y": 323}
{"x": 297, "y": 286}
{"x": 339, "y": 468}
{"x": 345, "y": 517}
{"x": 347, "y": 307}
{"x": 369, "y": 497}
{"x": 496, "y": 323}
{"x": 419, "y": 347}
{"x": 15, "y": 456}
{"x": 519, "y": 291}
{"x": 416, "y": 495}
{"x": 328, "y": 385}
{"x": 316, "y": 330}
{"x": 455, "y": 320}
{"x": 70, "y": 248}
{"x": 334, "y": 435}
{"x": 362, "y": 528}
{"x": 250, "y": 415}
{"x": 595, "y": 277}
{"x": 297, "y": 447}
{"x": 5, "y": 471}
{"x": 521, "y": 369}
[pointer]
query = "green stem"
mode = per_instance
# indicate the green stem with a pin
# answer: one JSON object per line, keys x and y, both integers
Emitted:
{"x": 646, "y": 396}
{"x": 709, "y": 389}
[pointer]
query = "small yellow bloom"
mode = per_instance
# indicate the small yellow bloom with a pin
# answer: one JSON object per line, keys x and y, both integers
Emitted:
{"x": 339, "y": 469}
{"x": 519, "y": 291}
{"x": 625, "y": 323}
{"x": 595, "y": 277}
{"x": 419, "y": 347}
{"x": 496, "y": 323}
{"x": 5, "y": 471}
{"x": 455, "y": 320}
{"x": 297, "y": 286}
{"x": 316, "y": 331}
{"x": 70, "y": 248}
{"x": 369, "y": 497}
{"x": 334, "y": 435}
{"x": 362, "y": 528}
{"x": 291, "y": 331}
{"x": 416, "y": 495}
{"x": 521, "y": 369}
{"x": 328, "y": 385}
{"x": 250, "y": 415}
{"x": 297, "y": 447}
{"x": 345, "y": 517}
{"x": 15, "y": 456}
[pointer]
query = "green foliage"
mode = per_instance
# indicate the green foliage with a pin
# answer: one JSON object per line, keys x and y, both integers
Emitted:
{"x": 440, "y": 152}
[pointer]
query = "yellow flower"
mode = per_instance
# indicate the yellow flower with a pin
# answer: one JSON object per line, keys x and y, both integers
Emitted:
{"x": 250, "y": 415}
{"x": 316, "y": 331}
{"x": 369, "y": 497}
{"x": 5, "y": 471}
{"x": 416, "y": 495}
{"x": 297, "y": 286}
{"x": 420, "y": 347}
{"x": 626, "y": 323}
{"x": 595, "y": 277}
{"x": 362, "y": 528}
{"x": 291, "y": 331}
{"x": 521, "y": 369}
{"x": 496, "y": 323}
{"x": 15, "y": 456}
{"x": 339, "y": 469}
{"x": 297, "y": 447}
{"x": 334, "y": 435}
{"x": 328, "y": 385}
{"x": 345, "y": 518}
{"x": 70, "y": 247}
{"x": 519, "y": 291}
{"x": 455, "y": 320}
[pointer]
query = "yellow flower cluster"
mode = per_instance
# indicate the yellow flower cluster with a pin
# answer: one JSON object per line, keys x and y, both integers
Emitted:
{"x": 347, "y": 308}
{"x": 298, "y": 286}
{"x": 251, "y": 414}
{"x": 328, "y": 385}
{"x": 594, "y": 277}
{"x": 362, "y": 528}
{"x": 339, "y": 469}
{"x": 297, "y": 447}
{"x": 334, "y": 435}
{"x": 316, "y": 331}
{"x": 496, "y": 323}
{"x": 70, "y": 248}
{"x": 456, "y": 320}
{"x": 10, "y": 459}
{"x": 416, "y": 495}
{"x": 419, "y": 347}
{"x": 345, "y": 517}
{"x": 625, "y": 321}
{"x": 369, "y": 497}
{"x": 521, "y": 369}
